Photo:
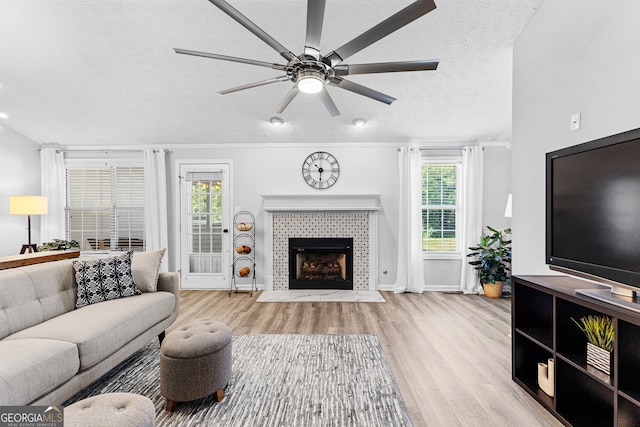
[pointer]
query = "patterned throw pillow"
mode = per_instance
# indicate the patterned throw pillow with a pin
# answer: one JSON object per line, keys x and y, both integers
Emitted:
{"x": 104, "y": 279}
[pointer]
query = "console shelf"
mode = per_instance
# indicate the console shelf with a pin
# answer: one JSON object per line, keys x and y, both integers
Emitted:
{"x": 542, "y": 309}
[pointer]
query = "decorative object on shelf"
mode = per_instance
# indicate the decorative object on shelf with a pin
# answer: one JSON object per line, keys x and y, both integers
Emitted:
{"x": 320, "y": 170}
{"x": 600, "y": 333}
{"x": 492, "y": 260}
{"x": 58, "y": 245}
{"x": 244, "y": 242}
{"x": 28, "y": 205}
{"x": 546, "y": 376}
{"x": 243, "y": 226}
{"x": 599, "y": 358}
{"x": 244, "y": 249}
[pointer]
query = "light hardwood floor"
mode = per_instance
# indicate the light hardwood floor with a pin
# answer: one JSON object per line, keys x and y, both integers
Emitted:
{"x": 450, "y": 353}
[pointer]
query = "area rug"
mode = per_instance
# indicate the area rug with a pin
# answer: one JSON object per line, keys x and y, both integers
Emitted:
{"x": 278, "y": 380}
{"x": 320, "y": 295}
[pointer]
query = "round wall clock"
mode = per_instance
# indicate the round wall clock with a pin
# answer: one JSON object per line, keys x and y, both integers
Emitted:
{"x": 320, "y": 170}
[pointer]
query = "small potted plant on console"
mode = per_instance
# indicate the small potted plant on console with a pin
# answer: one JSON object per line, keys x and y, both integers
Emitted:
{"x": 600, "y": 333}
{"x": 492, "y": 260}
{"x": 58, "y": 245}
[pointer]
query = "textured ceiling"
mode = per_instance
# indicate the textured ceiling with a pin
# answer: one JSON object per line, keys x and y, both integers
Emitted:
{"x": 80, "y": 72}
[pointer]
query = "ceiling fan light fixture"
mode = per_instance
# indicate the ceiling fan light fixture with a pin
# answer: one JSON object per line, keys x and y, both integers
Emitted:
{"x": 359, "y": 122}
{"x": 310, "y": 82}
{"x": 276, "y": 121}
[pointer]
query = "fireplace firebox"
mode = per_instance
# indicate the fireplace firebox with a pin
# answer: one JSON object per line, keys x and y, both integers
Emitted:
{"x": 321, "y": 263}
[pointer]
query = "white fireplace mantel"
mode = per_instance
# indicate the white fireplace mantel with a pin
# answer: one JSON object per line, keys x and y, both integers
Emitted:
{"x": 321, "y": 202}
{"x": 330, "y": 204}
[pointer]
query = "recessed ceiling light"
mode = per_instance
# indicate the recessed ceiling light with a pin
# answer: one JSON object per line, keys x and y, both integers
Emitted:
{"x": 276, "y": 121}
{"x": 3, "y": 115}
{"x": 359, "y": 122}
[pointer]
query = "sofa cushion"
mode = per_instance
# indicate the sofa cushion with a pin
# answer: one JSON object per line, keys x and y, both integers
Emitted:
{"x": 145, "y": 267}
{"x": 104, "y": 279}
{"x": 101, "y": 329}
{"x": 32, "y": 294}
{"x": 30, "y": 368}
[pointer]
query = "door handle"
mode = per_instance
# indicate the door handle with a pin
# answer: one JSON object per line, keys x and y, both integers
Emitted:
{"x": 226, "y": 230}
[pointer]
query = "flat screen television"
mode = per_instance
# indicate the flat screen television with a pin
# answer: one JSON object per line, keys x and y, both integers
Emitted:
{"x": 593, "y": 215}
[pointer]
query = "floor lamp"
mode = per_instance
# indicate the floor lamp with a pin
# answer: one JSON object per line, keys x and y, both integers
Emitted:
{"x": 28, "y": 205}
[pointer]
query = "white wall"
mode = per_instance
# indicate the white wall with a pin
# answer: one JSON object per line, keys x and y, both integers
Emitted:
{"x": 19, "y": 175}
{"x": 277, "y": 170}
{"x": 573, "y": 56}
{"x": 363, "y": 169}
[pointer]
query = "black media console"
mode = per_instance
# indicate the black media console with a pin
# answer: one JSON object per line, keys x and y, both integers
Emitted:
{"x": 542, "y": 308}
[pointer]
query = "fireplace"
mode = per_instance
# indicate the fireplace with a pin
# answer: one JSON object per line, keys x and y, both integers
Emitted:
{"x": 323, "y": 215}
{"x": 321, "y": 263}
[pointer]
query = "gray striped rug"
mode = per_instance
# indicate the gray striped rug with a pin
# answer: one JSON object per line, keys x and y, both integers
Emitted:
{"x": 279, "y": 380}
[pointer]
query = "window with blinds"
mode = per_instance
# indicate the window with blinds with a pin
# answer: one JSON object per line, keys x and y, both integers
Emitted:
{"x": 440, "y": 206}
{"x": 105, "y": 207}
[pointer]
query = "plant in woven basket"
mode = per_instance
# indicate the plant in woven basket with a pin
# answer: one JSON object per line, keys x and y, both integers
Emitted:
{"x": 492, "y": 256}
{"x": 599, "y": 330}
{"x": 58, "y": 245}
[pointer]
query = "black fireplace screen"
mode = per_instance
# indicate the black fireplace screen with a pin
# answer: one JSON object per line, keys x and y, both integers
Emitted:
{"x": 321, "y": 263}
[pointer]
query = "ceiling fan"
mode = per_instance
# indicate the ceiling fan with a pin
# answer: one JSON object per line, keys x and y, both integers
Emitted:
{"x": 311, "y": 72}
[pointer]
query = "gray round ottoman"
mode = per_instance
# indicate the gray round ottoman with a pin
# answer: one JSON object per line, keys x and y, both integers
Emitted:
{"x": 195, "y": 362}
{"x": 111, "y": 410}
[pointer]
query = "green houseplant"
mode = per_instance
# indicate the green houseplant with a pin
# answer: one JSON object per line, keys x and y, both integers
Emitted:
{"x": 492, "y": 260}
{"x": 58, "y": 245}
{"x": 600, "y": 333}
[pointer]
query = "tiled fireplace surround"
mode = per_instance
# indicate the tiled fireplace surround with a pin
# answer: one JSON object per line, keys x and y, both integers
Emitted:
{"x": 313, "y": 216}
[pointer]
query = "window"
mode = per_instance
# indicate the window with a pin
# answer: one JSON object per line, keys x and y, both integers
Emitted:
{"x": 105, "y": 207}
{"x": 440, "y": 206}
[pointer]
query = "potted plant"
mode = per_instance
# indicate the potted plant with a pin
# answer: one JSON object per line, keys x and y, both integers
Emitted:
{"x": 58, "y": 245}
{"x": 600, "y": 333}
{"x": 492, "y": 260}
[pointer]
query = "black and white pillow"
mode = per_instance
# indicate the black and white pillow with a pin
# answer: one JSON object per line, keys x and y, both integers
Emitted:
{"x": 104, "y": 279}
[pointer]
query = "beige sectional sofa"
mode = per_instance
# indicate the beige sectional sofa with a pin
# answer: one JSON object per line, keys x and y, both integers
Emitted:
{"x": 49, "y": 349}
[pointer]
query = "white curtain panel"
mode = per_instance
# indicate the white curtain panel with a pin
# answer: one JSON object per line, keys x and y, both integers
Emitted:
{"x": 52, "y": 186}
{"x": 472, "y": 217}
{"x": 155, "y": 195}
{"x": 410, "y": 277}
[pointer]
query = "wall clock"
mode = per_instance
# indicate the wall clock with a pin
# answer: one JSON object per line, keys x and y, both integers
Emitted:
{"x": 320, "y": 170}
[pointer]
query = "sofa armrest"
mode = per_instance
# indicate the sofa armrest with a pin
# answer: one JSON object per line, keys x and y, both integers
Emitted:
{"x": 170, "y": 282}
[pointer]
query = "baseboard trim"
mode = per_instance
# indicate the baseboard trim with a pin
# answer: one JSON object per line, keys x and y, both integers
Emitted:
{"x": 451, "y": 288}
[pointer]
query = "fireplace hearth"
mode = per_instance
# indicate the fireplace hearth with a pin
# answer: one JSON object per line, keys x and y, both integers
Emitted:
{"x": 321, "y": 263}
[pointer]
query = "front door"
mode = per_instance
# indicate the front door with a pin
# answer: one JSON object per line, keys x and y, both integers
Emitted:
{"x": 205, "y": 257}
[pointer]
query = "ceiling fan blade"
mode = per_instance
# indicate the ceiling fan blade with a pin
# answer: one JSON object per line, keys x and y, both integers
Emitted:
{"x": 231, "y": 58}
{"x": 257, "y": 31}
{"x": 409, "y": 14}
{"x": 315, "y": 18}
{"x": 256, "y": 84}
{"x": 287, "y": 99}
{"x": 361, "y": 90}
{"x": 384, "y": 67}
{"x": 328, "y": 102}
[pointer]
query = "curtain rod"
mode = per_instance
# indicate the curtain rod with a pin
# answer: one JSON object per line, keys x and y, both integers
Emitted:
{"x": 105, "y": 150}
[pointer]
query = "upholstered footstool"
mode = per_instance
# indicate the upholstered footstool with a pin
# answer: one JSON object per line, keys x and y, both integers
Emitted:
{"x": 195, "y": 362}
{"x": 111, "y": 410}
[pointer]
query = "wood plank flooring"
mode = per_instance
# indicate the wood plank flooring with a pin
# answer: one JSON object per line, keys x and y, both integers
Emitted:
{"x": 450, "y": 353}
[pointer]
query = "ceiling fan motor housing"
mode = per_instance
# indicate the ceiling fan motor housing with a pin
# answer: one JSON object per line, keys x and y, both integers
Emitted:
{"x": 306, "y": 69}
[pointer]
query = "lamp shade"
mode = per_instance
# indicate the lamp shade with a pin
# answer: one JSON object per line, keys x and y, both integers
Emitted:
{"x": 28, "y": 205}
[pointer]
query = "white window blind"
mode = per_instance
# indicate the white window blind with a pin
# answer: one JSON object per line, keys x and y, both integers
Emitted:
{"x": 105, "y": 207}
{"x": 440, "y": 206}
